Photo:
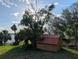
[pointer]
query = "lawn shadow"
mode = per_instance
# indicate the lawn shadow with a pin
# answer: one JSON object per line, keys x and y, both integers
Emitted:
{"x": 11, "y": 54}
{"x": 21, "y": 53}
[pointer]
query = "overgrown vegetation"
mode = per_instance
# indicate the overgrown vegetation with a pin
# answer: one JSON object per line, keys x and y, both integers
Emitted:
{"x": 4, "y": 36}
{"x": 66, "y": 25}
{"x": 34, "y": 24}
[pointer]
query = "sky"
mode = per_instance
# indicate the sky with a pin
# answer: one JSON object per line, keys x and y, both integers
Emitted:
{"x": 11, "y": 11}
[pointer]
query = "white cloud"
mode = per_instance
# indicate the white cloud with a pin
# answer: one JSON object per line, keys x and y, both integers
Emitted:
{"x": 20, "y": 13}
{"x": 8, "y": 3}
{"x": 27, "y": 1}
{"x": 8, "y": 6}
{"x": 56, "y": 3}
{"x": 15, "y": 5}
{"x": 1, "y": 28}
{"x": 16, "y": 14}
{"x": 15, "y": 22}
{"x": 49, "y": 5}
{"x": 5, "y": 28}
{"x": 17, "y": 17}
{"x": 3, "y": 3}
{"x": 58, "y": 15}
{"x": 21, "y": 27}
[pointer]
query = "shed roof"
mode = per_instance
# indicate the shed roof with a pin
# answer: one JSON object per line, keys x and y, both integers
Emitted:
{"x": 52, "y": 39}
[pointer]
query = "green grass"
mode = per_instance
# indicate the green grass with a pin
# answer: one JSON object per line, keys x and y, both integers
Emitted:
{"x": 10, "y": 51}
{"x": 4, "y": 49}
{"x": 19, "y": 52}
{"x": 70, "y": 50}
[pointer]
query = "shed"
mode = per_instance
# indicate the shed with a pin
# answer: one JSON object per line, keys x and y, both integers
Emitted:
{"x": 49, "y": 43}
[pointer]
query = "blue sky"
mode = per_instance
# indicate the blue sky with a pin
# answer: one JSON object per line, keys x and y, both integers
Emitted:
{"x": 11, "y": 11}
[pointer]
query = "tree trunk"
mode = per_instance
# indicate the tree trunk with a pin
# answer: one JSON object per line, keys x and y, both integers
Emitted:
{"x": 34, "y": 42}
{"x": 1, "y": 43}
{"x": 16, "y": 39}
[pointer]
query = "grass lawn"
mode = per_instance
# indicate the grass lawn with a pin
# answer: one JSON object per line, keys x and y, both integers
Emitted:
{"x": 70, "y": 50}
{"x": 18, "y": 52}
{"x": 8, "y": 49}
{"x": 5, "y": 49}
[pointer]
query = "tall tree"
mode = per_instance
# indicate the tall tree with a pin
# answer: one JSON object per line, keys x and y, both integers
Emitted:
{"x": 66, "y": 25}
{"x": 71, "y": 16}
{"x": 14, "y": 28}
{"x": 35, "y": 23}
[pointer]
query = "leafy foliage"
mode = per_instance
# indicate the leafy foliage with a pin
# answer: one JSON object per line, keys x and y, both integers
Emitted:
{"x": 14, "y": 27}
{"x": 67, "y": 25}
{"x": 4, "y": 36}
{"x": 71, "y": 16}
{"x": 35, "y": 23}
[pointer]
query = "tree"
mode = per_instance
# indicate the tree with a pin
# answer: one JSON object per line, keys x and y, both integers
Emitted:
{"x": 71, "y": 16}
{"x": 32, "y": 25}
{"x": 25, "y": 35}
{"x": 35, "y": 23}
{"x": 5, "y": 36}
{"x": 1, "y": 37}
{"x": 66, "y": 25}
{"x": 14, "y": 28}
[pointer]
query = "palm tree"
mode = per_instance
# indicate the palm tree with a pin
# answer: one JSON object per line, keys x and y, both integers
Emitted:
{"x": 14, "y": 28}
